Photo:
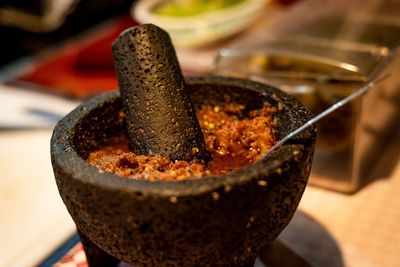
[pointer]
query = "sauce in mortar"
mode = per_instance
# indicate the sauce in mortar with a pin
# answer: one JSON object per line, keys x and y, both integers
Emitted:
{"x": 233, "y": 138}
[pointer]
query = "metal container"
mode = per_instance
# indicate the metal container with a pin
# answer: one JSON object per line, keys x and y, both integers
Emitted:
{"x": 321, "y": 59}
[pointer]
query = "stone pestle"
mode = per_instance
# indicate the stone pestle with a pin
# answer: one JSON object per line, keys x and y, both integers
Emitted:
{"x": 161, "y": 119}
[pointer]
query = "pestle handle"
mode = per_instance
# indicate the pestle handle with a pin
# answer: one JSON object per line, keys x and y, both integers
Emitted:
{"x": 161, "y": 119}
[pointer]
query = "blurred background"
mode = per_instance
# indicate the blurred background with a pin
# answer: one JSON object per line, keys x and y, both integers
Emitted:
{"x": 56, "y": 53}
{"x": 29, "y": 26}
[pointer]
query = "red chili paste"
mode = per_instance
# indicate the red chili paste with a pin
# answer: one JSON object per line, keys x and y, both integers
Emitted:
{"x": 233, "y": 139}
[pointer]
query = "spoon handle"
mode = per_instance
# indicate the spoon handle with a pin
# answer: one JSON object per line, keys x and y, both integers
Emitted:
{"x": 362, "y": 90}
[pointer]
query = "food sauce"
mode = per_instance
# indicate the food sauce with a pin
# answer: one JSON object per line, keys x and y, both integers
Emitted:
{"x": 233, "y": 136}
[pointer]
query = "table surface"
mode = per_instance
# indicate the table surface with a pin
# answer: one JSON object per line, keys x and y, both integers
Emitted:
{"x": 362, "y": 229}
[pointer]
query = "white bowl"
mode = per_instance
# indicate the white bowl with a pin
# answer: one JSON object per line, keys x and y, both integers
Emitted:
{"x": 202, "y": 29}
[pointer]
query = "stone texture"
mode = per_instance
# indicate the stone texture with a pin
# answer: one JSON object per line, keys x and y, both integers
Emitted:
{"x": 160, "y": 117}
{"x": 214, "y": 221}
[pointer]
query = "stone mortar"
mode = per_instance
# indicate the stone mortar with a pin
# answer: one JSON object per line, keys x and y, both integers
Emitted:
{"x": 212, "y": 221}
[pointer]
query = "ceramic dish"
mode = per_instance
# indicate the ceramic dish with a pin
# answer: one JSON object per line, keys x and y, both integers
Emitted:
{"x": 203, "y": 28}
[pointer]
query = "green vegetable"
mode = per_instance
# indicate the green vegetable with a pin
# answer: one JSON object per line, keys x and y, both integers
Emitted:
{"x": 182, "y": 8}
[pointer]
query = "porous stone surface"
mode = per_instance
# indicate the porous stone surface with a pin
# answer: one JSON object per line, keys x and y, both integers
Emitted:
{"x": 160, "y": 116}
{"x": 214, "y": 221}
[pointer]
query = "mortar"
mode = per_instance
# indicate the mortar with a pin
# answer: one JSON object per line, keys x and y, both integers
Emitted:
{"x": 212, "y": 221}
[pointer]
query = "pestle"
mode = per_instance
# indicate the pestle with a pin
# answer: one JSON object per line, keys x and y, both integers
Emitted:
{"x": 160, "y": 117}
